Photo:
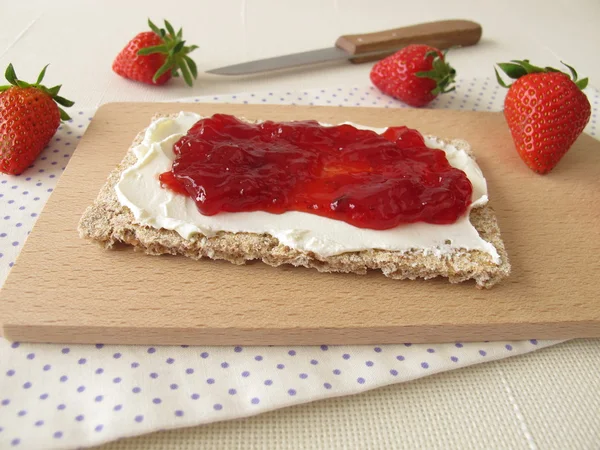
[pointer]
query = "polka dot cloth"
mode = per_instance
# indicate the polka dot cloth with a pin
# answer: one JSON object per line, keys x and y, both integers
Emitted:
{"x": 57, "y": 396}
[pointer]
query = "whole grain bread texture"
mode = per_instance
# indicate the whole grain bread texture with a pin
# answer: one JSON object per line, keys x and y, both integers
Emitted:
{"x": 108, "y": 223}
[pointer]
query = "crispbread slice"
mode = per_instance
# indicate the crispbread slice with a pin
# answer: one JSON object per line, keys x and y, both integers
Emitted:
{"x": 107, "y": 222}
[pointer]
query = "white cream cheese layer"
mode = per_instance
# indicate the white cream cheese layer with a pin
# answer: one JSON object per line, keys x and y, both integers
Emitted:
{"x": 139, "y": 189}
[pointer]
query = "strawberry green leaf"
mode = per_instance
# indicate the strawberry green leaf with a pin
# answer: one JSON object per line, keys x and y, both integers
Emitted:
{"x": 178, "y": 47}
{"x": 170, "y": 28}
{"x": 42, "y": 74}
{"x": 572, "y": 70}
{"x": 63, "y": 115}
{"x": 162, "y": 70}
{"x": 192, "y": 65}
{"x": 186, "y": 74}
{"x": 582, "y": 84}
{"x": 63, "y": 101}
{"x": 53, "y": 91}
{"x": 10, "y": 75}
{"x": 180, "y": 33}
{"x": 152, "y": 49}
{"x": 153, "y": 27}
{"x": 500, "y": 80}
{"x": 513, "y": 71}
{"x": 528, "y": 67}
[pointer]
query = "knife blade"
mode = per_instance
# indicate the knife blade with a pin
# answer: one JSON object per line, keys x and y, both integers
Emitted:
{"x": 360, "y": 48}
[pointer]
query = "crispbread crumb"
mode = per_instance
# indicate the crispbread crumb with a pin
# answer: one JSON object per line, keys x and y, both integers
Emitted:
{"x": 107, "y": 222}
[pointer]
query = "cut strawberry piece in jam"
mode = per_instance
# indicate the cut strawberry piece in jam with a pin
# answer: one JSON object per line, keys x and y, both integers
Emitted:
{"x": 357, "y": 176}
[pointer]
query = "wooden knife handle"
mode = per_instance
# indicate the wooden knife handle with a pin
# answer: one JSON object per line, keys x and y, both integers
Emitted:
{"x": 441, "y": 34}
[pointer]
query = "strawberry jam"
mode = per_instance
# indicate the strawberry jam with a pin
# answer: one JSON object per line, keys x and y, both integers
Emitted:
{"x": 363, "y": 178}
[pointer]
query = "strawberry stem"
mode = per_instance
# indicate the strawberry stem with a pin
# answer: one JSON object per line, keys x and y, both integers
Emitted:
{"x": 442, "y": 73}
{"x": 11, "y": 77}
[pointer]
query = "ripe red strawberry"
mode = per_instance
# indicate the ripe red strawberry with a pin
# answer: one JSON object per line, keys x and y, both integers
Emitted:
{"x": 29, "y": 117}
{"x": 153, "y": 57}
{"x": 416, "y": 75}
{"x": 546, "y": 111}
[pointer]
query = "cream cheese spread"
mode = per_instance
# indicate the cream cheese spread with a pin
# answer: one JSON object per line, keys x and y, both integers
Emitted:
{"x": 139, "y": 190}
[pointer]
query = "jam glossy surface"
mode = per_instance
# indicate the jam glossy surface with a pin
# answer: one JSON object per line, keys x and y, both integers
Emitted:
{"x": 357, "y": 176}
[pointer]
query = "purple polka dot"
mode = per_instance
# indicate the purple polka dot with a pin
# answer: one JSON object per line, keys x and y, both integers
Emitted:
{"x": 430, "y": 350}
{"x": 15, "y": 442}
{"x": 394, "y": 372}
{"x": 337, "y": 371}
{"x": 195, "y": 396}
{"x": 508, "y": 347}
{"x": 369, "y": 363}
{"x": 482, "y": 352}
{"x": 39, "y": 423}
{"x": 64, "y": 378}
{"x": 139, "y": 418}
{"x": 314, "y": 362}
{"x": 31, "y": 356}
{"x": 99, "y": 345}
{"x": 424, "y": 365}
{"x": 151, "y": 350}
{"x": 179, "y": 413}
{"x": 327, "y": 385}
{"x": 292, "y": 353}
{"x": 99, "y": 370}
{"x": 360, "y": 380}
{"x": 10, "y": 372}
{"x": 224, "y": 365}
{"x": 15, "y": 244}
{"x": 117, "y": 355}
{"x": 245, "y": 373}
{"x": 218, "y": 406}
{"x": 400, "y": 358}
{"x": 204, "y": 355}
{"x": 58, "y": 435}
{"x": 156, "y": 401}
{"x": 136, "y": 390}
{"x": 154, "y": 375}
{"x": 346, "y": 356}
{"x": 280, "y": 366}
{"x": 99, "y": 398}
{"x": 268, "y": 382}
{"x": 81, "y": 389}
{"x": 118, "y": 407}
{"x": 232, "y": 391}
{"x": 82, "y": 361}
{"x": 44, "y": 396}
{"x": 27, "y": 385}
{"x": 237, "y": 349}
{"x": 304, "y": 376}
{"x": 5, "y": 402}
{"x": 377, "y": 349}
{"x": 61, "y": 406}
{"x": 79, "y": 418}
{"x": 189, "y": 371}
{"x": 534, "y": 341}
{"x": 99, "y": 428}
{"x": 135, "y": 365}
{"x": 65, "y": 350}
{"x": 255, "y": 401}
{"x": 408, "y": 344}
{"x": 117, "y": 380}
{"x": 454, "y": 359}
{"x": 210, "y": 381}
{"x": 170, "y": 360}
{"x": 22, "y": 413}
{"x": 258, "y": 358}
{"x": 174, "y": 386}
{"x": 292, "y": 392}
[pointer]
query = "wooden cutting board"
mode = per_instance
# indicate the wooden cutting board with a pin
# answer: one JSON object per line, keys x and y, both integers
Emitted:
{"x": 64, "y": 289}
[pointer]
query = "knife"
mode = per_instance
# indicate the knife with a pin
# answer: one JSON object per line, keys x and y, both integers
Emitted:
{"x": 360, "y": 48}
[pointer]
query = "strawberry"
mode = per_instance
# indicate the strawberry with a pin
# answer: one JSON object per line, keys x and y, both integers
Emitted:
{"x": 153, "y": 57}
{"x": 546, "y": 111}
{"x": 29, "y": 117}
{"x": 416, "y": 75}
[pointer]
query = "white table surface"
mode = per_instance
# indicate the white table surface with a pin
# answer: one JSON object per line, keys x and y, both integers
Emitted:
{"x": 549, "y": 399}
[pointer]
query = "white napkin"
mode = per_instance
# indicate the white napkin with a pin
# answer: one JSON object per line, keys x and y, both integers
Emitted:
{"x": 54, "y": 396}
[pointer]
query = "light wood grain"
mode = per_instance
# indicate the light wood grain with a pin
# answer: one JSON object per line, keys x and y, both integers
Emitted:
{"x": 64, "y": 289}
{"x": 441, "y": 34}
